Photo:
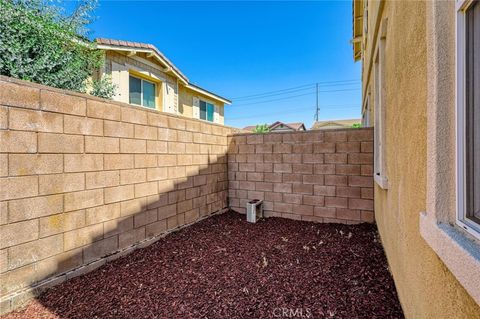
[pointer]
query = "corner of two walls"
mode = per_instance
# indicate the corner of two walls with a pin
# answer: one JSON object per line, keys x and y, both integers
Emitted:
{"x": 85, "y": 180}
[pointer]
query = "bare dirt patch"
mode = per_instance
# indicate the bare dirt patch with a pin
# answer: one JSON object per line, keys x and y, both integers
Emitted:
{"x": 224, "y": 267}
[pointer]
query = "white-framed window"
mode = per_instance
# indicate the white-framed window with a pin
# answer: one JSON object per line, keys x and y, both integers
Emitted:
{"x": 141, "y": 92}
{"x": 468, "y": 115}
{"x": 207, "y": 111}
{"x": 380, "y": 167}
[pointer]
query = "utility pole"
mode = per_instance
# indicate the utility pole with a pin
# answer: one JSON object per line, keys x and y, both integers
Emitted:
{"x": 318, "y": 108}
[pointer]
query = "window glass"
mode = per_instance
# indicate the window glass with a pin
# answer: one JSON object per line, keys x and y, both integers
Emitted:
{"x": 203, "y": 110}
{"x": 210, "y": 111}
{"x": 472, "y": 112}
{"x": 148, "y": 94}
{"x": 135, "y": 90}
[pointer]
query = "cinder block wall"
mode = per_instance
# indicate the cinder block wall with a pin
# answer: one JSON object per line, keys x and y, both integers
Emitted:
{"x": 84, "y": 180}
{"x": 81, "y": 178}
{"x": 322, "y": 176}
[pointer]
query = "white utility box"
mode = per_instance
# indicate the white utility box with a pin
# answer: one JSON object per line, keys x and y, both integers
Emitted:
{"x": 254, "y": 210}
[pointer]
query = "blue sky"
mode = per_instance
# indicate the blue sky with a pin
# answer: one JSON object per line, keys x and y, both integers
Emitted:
{"x": 239, "y": 49}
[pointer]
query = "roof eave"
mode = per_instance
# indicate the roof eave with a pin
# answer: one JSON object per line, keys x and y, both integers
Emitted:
{"x": 209, "y": 94}
{"x": 172, "y": 67}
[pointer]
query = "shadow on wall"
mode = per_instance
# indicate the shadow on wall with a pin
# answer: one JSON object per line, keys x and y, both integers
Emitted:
{"x": 142, "y": 223}
{"x": 58, "y": 213}
{"x": 51, "y": 225}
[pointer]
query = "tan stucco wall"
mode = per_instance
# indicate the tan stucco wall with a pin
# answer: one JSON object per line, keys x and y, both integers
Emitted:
{"x": 119, "y": 66}
{"x": 186, "y": 103}
{"x": 185, "y": 106}
{"x": 427, "y": 289}
{"x": 180, "y": 96}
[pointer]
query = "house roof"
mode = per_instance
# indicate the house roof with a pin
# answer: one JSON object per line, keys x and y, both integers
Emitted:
{"x": 103, "y": 43}
{"x": 195, "y": 87}
{"x": 250, "y": 127}
{"x": 340, "y": 123}
{"x": 120, "y": 45}
{"x": 357, "y": 26}
{"x": 294, "y": 126}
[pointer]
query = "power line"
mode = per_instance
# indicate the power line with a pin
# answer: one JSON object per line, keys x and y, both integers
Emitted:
{"x": 343, "y": 90}
{"x": 278, "y": 99}
{"x": 274, "y": 94}
{"x": 326, "y": 83}
{"x": 341, "y": 84}
{"x": 294, "y": 112}
{"x": 307, "y": 86}
{"x": 266, "y": 114}
{"x": 338, "y": 81}
{"x": 291, "y": 91}
{"x": 295, "y": 96}
{"x": 342, "y": 107}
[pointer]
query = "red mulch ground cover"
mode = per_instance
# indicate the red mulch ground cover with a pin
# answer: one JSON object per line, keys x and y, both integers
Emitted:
{"x": 224, "y": 267}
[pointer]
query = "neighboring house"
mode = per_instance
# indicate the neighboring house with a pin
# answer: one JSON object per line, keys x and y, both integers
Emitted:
{"x": 421, "y": 92}
{"x": 324, "y": 125}
{"x": 286, "y": 127}
{"x": 145, "y": 77}
{"x": 280, "y": 127}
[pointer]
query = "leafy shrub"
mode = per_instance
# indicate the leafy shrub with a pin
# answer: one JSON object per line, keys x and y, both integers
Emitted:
{"x": 39, "y": 43}
{"x": 357, "y": 125}
{"x": 103, "y": 88}
{"x": 261, "y": 129}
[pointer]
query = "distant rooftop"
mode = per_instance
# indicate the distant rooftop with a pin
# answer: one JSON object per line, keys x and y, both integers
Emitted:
{"x": 297, "y": 126}
{"x": 320, "y": 125}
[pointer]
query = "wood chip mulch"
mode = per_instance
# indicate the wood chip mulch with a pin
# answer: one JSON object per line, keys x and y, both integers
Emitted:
{"x": 224, "y": 267}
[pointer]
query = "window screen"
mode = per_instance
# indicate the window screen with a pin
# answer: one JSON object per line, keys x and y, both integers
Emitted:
{"x": 210, "y": 111}
{"x": 148, "y": 94}
{"x": 203, "y": 110}
{"x": 141, "y": 92}
{"x": 472, "y": 112}
{"x": 135, "y": 90}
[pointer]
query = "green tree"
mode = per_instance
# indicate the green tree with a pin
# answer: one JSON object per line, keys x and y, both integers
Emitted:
{"x": 103, "y": 87}
{"x": 357, "y": 125}
{"x": 40, "y": 43}
{"x": 261, "y": 129}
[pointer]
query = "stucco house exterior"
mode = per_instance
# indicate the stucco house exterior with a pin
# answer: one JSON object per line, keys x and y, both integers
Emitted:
{"x": 145, "y": 76}
{"x": 420, "y": 88}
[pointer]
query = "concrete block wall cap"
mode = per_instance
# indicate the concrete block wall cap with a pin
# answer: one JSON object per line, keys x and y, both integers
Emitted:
{"x": 305, "y": 132}
{"x": 95, "y": 98}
